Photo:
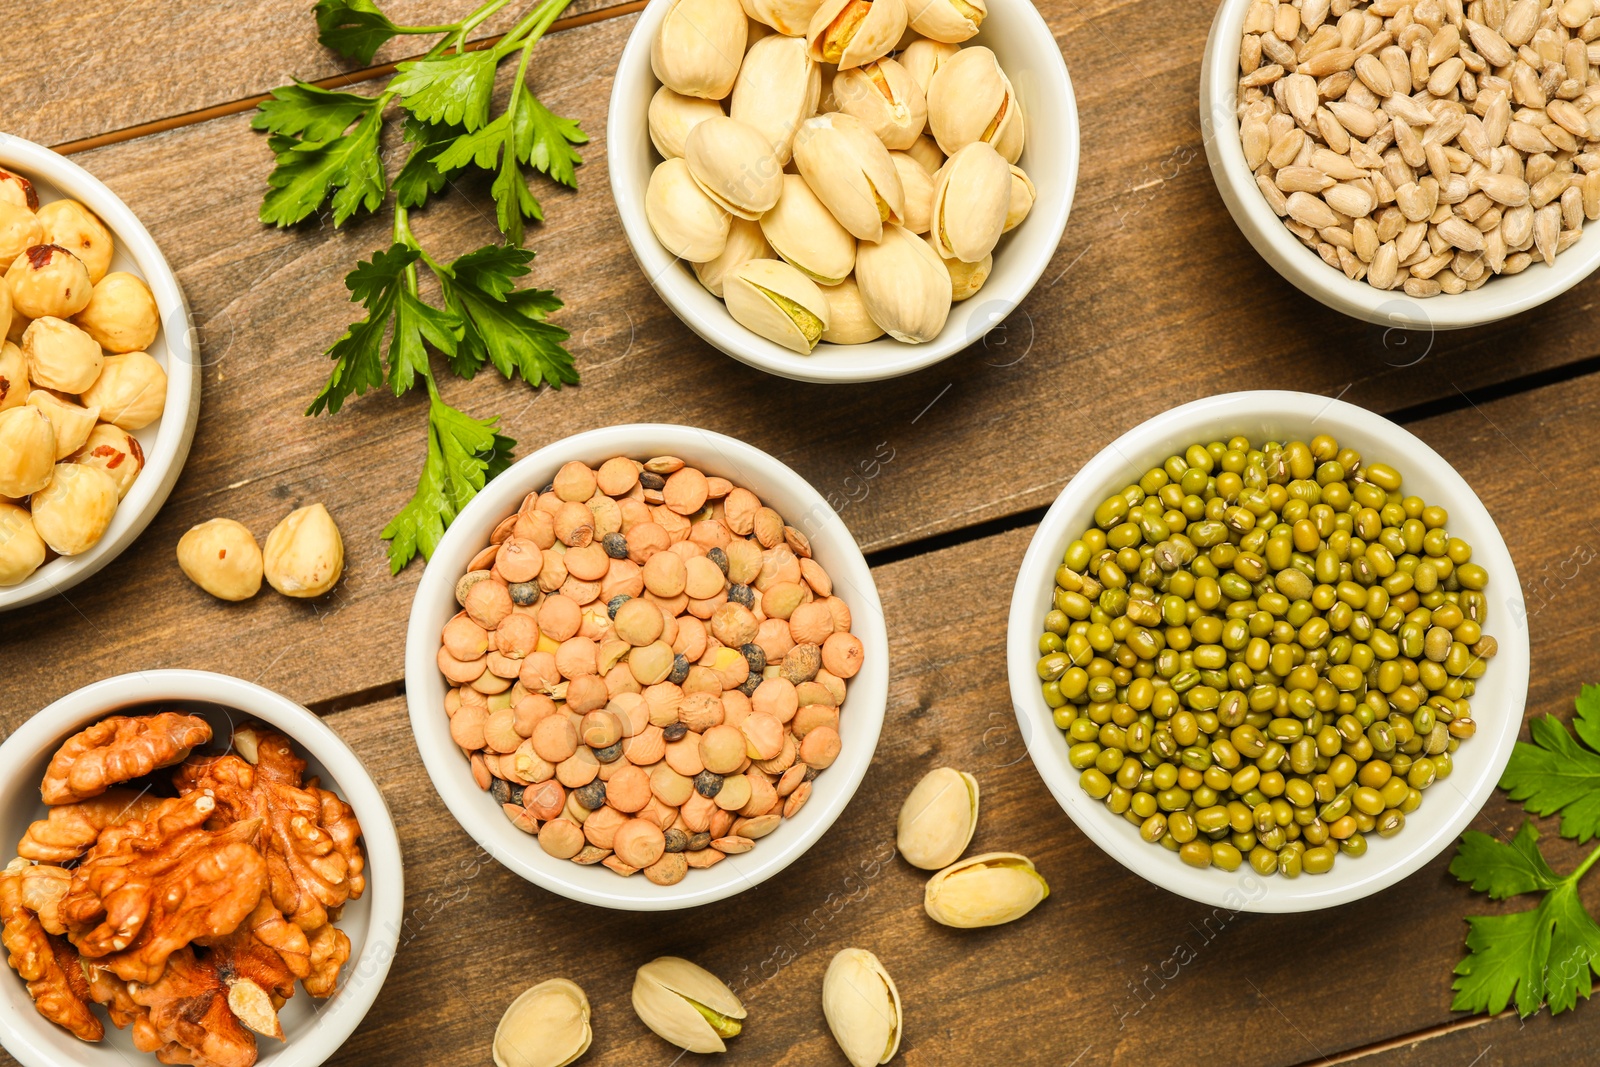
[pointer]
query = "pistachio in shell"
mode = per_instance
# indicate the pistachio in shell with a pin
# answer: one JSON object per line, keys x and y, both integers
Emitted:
{"x": 546, "y": 1026}
{"x": 938, "y": 819}
{"x": 971, "y": 195}
{"x": 1023, "y": 194}
{"x": 862, "y": 1007}
{"x": 904, "y": 285}
{"x": 967, "y": 278}
{"x": 788, "y": 17}
{"x": 777, "y": 90}
{"x": 986, "y": 890}
{"x": 925, "y": 150}
{"x": 887, "y": 100}
{"x": 971, "y": 99}
{"x": 699, "y": 47}
{"x": 848, "y": 33}
{"x": 734, "y": 164}
{"x": 946, "y": 21}
{"x": 745, "y": 242}
{"x": 805, "y": 234}
{"x": 686, "y": 221}
{"x": 848, "y": 321}
{"x": 916, "y": 184}
{"x": 851, "y": 172}
{"x": 686, "y": 1004}
{"x": 773, "y": 299}
{"x": 672, "y": 115}
{"x": 922, "y": 57}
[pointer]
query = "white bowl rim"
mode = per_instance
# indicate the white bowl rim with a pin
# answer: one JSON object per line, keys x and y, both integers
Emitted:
{"x": 1157, "y": 866}
{"x": 363, "y": 976}
{"x": 829, "y": 363}
{"x": 1302, "y": 267}
{"x": 520, "y": 852}
{"x": 175, "y": 431}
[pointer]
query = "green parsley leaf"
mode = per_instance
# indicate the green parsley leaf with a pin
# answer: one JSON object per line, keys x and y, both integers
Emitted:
{"x": 1547, "y": 955}
{"x": 463, "y": 454}
{"x": 454, "y": 88}
{"x": 420, "y": 178}
{"x": 490, "y": 147}
{"x": 1556, "y": 773}
{"x": 316, "y": 114}
{"x": 355, "y": 28}
{"x": 308, "y": 170}
{"x": 545, "y": 140}
{"x": 503, "y": 325}
{"x": 1503, "y": 870}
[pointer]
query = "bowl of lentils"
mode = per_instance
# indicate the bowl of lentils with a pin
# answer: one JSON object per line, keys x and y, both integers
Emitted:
{"x": 1269, "y": 651}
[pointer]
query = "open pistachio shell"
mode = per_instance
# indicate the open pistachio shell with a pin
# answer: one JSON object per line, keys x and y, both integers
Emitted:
{"x": 948, "y": 21}
{"x": 971, "y": 99}
{"x": 673, "y": 115}
{"x": 986, "y": 890}
{"x": 788, "y": 17}
{"x": 971, "y": 195}
{"x": 852, "y": 32}
{"x": 686, "y": 221}
{"x": 547, "y": 1026}
{"x": 745, "y": 242}
{"x": 773, "y": 299}
{"x": 848, "y": 321}
{"x": 862, "y": 1007}
{"x": 916, "y": 185}
{"x": 686, "y": 1004}
{"x": 904, "y": 285}
{"x": 851, "y": 172}
{"x": 777, "y": 90}
{"x": 804, "y": 232}
{"x": 733, "y": 163}
{"x": 1023, "y": 195}
{"x": 699, "y": 48}
{"x": 922, "y": 57}
{"x": 938, "y": 819}
{"x": 887, "y": 100}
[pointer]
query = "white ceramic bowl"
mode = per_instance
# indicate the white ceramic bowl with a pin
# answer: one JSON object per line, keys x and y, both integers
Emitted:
{"x": 1497, "y": 299}
{"x": 166, "y": 441}
{"x": 315, "y": 1029}
{"x": 859, "y": 722}
{"x": 1026, "y": 48}
{"x": 1447, "y": 807}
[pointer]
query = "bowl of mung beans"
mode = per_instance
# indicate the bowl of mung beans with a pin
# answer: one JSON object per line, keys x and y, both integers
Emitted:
{"x": 1269, "y": 651}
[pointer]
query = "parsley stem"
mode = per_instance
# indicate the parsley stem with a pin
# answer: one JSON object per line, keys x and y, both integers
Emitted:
{"x": 1588, "y": 861}
{"x": 532, "y": 26}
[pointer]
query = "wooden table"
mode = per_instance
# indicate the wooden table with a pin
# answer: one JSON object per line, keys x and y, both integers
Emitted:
{"x": 1154, "y": 298}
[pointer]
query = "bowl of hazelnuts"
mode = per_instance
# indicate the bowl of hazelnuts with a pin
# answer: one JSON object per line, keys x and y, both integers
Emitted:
{"x": 99, "y": 380}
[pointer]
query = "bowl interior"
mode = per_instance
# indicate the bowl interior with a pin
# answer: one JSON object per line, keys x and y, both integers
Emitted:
{"x": 166, "y": 441}
{"x": 1497, "y": 706}
{"x": 1027, "y": 51}
{"x": 860, "y": 717}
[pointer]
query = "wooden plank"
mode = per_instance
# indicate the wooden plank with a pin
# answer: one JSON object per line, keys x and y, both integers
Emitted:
{"x": 1504, "y": 1041}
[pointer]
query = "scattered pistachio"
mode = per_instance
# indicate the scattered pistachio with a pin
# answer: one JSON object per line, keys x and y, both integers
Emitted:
{"x": 862, "y": 1007}
{"x": 547, "y": 1026}
{"x": 686, "y": 1004}
{"x": 986, "y": 890}
{"x": 938, "y": 819}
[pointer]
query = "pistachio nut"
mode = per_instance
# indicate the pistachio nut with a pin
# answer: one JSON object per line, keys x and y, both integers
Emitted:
{"x": 686, "y": 1005}
{"x": 805, "y": 233}
{"x": 925, "y": 150}
{"x": 546, "y": 1026}
{"x": 745, "y": 242}
{"x": 904, "y": 285}
{"x": 916, "y": 184}
{"x": 686, "y": 221}
{"x": 986, "y": 890}
{"x": 1023, "y": 194}
{"x": 971, "y": 195}
{"x": 851, "y": 172}
{"x": 849, "y": 33}
{"x": 22, "y": 550}
{"x": 971, "y": 99}
{"x": 938, "y": 819}
{"x": 304, "y": 554}
{"x": 788, "y": 17}
{"x": 862, "y": 1007}
{"x": 887, "y": 100}
{"x": 777, "y": 90}
{"x": 967, "y": 278}
{"x": 773, "y": 299}
{"x": 700, "y": 46}
{"x": 848, "y": 321}
{"x": 922, "y": 57}
{"x": 734, "y": 164}
{"x": 673, "y": 115}
{"x": 946, "y": 21}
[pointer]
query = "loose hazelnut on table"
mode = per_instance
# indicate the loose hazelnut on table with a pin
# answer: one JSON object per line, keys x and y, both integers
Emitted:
{"x": 131, "y": 391}
{"x": 221, "y": 557}
{"x": 304, "y": 554}
{"x": 77, "y": 229}
{"x": 60, "y": 355}
{"x": 74, "y": 510}
{"x": 120, "y": 313}
{"x": 48, "y": 280}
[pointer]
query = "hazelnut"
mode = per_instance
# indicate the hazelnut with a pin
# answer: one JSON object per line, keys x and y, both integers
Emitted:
{"x": 19, "y": 321}
{"x": 74, "y": 227}
{"x": 13, "y": 374}
{"x": 72, "y": 423}
{"x": 304, "y": 555}
{"x": 60, "y": 356}
{"x": 73, "y": 511}
{"x": 114, "y": 451}
{"x": 121, "y": 313}
{"x": 27, "y": 451}
{"x": 48, "y": 280}
{"x": 6, "y": 311}
{"x": 130, "y": 392}
{"x": 21, "y": 548}
{"x": 221, "y": 557}
{"x": 20, "y": 229}
{"x": 18, "y": 191}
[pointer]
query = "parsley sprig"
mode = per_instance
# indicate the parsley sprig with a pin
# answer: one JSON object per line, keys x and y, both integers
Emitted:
{"x": 329, "y": 157}
{"x": 1546, "y": 955}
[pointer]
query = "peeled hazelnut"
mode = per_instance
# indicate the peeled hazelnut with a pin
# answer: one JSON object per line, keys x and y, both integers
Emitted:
{"x": 13, "y": 374}
{"x": 48, "y": 280}
{"x": 131, "y": 391}
{"x": 73, "y": 511}
{"x": 21, "y": 548}
{"x": 6, "y": 312}
{"x": 77, "y": 229}
{"x": 120, "y": 313}
{"x": 221, "y": 557}
{"x": 20, "y": 229}
{"x": 72, "y": 422}
{"x": 60, "y": 355}
{"x": 114, "y": 451}
{"x": 304, "y": 556}
{"x": 17, "y": 191}
{"x": 27, "y": 451}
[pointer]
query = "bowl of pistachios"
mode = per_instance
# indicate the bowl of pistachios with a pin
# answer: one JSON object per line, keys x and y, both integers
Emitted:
{"x": 845, "y": 192}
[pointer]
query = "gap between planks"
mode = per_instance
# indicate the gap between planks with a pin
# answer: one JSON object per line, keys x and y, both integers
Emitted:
{"x": 334, "y": 81}
{"x": 1399, "y": 1041}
